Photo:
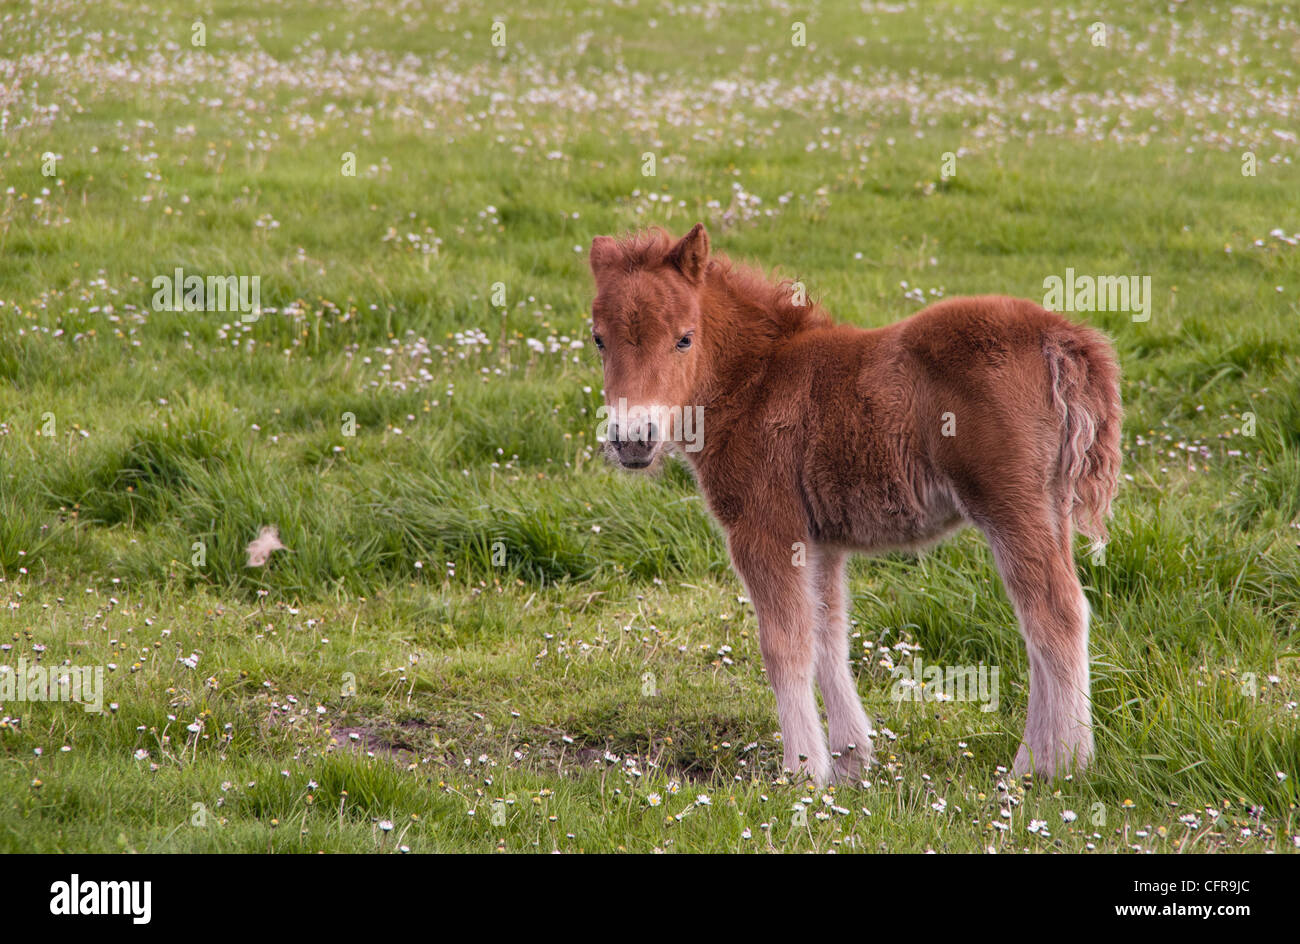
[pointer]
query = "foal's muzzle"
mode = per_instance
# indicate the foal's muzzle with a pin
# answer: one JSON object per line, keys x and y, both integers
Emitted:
{"x": 635, "y": 444}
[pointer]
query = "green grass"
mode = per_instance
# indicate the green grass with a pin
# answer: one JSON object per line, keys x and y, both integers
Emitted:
{"x": 457, "y": 639}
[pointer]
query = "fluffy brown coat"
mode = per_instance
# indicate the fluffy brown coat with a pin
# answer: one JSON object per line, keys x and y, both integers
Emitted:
{"x": 825, "y": 439}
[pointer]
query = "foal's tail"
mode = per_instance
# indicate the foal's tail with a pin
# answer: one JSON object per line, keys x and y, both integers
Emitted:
{"x": 1085, "y": 391}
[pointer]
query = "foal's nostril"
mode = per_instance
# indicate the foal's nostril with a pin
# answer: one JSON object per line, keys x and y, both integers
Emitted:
{"x": 640, "y": 433}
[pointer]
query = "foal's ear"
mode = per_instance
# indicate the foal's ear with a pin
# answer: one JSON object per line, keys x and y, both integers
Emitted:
{"x": 691, "y": 254}
{"x": 604, "y": 254}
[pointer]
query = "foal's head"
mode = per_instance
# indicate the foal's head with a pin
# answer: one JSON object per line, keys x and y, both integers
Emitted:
{"x": 646, "y": 325}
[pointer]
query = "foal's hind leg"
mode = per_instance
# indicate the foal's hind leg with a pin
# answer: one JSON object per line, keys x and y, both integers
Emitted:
{"x": 850, "y": 730}
{"x": 1037, "y": 567}
{"x": 780, "y": 590}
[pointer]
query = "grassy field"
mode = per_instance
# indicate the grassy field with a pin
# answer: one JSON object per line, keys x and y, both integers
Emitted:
{"x": 480, "y": 636}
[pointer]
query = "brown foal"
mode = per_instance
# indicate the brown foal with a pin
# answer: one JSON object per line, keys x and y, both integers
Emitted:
{"x": 825, "y": 439}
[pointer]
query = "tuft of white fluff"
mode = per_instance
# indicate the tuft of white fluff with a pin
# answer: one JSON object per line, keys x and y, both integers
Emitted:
{"x": 267, "y": 540}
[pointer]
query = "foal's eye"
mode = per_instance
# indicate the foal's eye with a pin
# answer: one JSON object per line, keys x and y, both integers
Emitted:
{"x": 600, "y": 343}
{"x": 685, "y": 343}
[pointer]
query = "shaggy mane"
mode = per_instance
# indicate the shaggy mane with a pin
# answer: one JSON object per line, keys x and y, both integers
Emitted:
{"x": 753, "y": 291}
{"x": 773, "y": 300}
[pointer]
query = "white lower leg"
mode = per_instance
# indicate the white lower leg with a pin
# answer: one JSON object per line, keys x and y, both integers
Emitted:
{"x": 801, "y": 731}
{"x": 1058, "y": 732}
{"x": 850, "y": 729}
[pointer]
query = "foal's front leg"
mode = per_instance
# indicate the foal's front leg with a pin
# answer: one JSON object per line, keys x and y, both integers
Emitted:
{"x": 850, "y": 729}
{"x": 779, "y": 585}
